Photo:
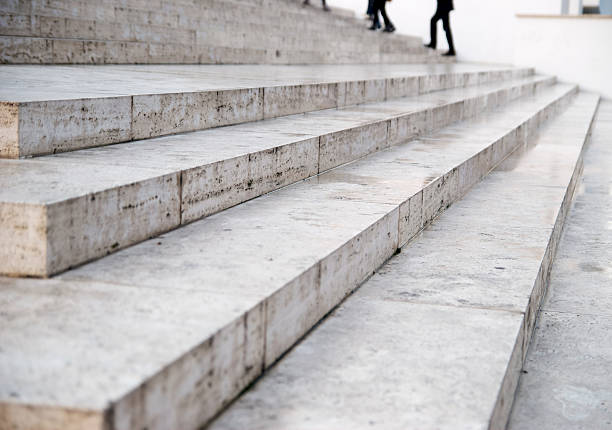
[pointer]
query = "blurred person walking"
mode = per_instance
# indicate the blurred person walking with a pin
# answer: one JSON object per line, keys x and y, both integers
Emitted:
{"x": 370, "y": 11}
{"x": 323, "y": 3}
{"x": 442, "y": 13}
{"x": 379, "y": 6}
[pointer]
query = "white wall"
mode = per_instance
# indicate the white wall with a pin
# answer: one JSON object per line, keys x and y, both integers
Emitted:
{"x": 483, "y": 29}
{"x": 575, "y": 49}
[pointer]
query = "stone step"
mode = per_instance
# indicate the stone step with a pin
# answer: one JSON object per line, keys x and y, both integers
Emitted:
{"x": 566, "y": 379}
{"x": 28, "y": 50}
{"x": 436, "y": 338}
{"x": 43, "y": 111}
{"x": 128, "y": 21}
{"x": 75, "y": 15}
{"x": 169, "y": 331}
{"x": 189, "y": 27}
{"x": 60, "y": 211}
{"x": 128, "y": 32}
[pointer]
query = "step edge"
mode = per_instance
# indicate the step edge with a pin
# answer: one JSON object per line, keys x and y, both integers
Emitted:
{"x": 185, "y": 217}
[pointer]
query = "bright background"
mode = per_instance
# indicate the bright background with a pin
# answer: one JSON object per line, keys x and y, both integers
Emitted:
{"x": 575, "y": 49}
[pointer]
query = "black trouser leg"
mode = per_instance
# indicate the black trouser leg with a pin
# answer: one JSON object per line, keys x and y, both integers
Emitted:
{"x": 433, "y": 30}
{"x": 376, "y": 8}
{"x": 370, "y": 7}
{"x": 375, "y": 20}
{"x": 449, "y": 34}
{"x": 383, "y": 12}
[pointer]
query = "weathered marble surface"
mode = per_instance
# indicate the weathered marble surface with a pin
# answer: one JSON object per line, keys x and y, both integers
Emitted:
{"x": 288, "y": 257}
{"x": 435, "y": 339}
{"x": 214, "y": 31}
{"x": 567, "y": 382}
{"x": 44, "y": 112}
{"x": 160, "y": 183}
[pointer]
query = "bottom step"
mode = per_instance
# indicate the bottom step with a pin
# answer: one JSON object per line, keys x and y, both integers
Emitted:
{"x": 436, "y": 339}
{"x": 567, "y": 383}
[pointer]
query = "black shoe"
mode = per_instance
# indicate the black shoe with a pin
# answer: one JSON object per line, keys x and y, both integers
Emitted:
{"x": 375, "y": 26}
{"x": 389, "y": 29}
{"x": 306, "y": 3}
{"x": 326, "y": 8}
{"x": 449, "y": 54}
{"x": 430, "y": 46}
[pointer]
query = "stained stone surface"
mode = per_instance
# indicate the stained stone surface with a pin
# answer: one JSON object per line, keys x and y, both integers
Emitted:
{"x": 43, "y": 112}
{"x": 43, "y": 83}
{"x": 214, "y": 31}
{"x": 289, "y": 257}
{"x": 434, "y": 340}
{"x": 567, "y": 380}
{"x": 88, "y": 197}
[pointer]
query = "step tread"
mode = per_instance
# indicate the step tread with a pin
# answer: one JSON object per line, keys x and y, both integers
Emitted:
{"x": 54, "y": 220}
{"x": 46, "y": 83}
{"x": 576, "y": 317}
{"x": 124, "y": 103}
{"x": 123, "y": 31}
{"x": 126, "y": 316}
{"x": 49, "y": 179}
{"x": 445, "y": 316}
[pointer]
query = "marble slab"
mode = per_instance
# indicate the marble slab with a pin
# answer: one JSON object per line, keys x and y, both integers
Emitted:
{"x": 436, "y": 338}
{"x": 43, "y": 112}
{"x": 289, "y": 256}
{"x": 215, "y": 32}
{"x": 566, "y": 379}
{"x": 164, "y": 182}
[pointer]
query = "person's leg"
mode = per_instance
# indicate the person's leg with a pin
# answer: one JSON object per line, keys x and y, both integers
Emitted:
{"x": 375, "y": 20}
{"x": 433, "y": 31}
{"x": 449, "y": 34}
{"x": 388, "y": 24}
{"x": 370, "y": 11}
{"x": 324, "y": 4}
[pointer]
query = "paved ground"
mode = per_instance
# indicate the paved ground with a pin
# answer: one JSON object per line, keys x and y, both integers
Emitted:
{"x": 567, "y": 379}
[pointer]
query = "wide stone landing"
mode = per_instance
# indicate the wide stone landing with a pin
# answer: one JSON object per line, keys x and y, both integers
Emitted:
{"x": 50, "y": 109}
{"x": 63, "y": 210}
{"x": 436, "y": 338}
{"x": 566, "y": 382}
{"x": 166, "y": 333}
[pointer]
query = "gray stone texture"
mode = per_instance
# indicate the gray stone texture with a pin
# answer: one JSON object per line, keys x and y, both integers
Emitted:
{"x": 169, "y": 331}
{"x": 43, "y": 112}
{"x": 566, "y": 383}
{"x": 179, "y": 31}
{"x": 436, "y": 338}
{"x": 88, "y": 198}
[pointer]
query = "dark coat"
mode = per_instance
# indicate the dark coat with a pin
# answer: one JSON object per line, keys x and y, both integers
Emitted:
{"x": 445, "y": 6}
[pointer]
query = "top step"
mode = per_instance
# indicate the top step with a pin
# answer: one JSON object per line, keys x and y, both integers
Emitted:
{"x": 183, "y": 31}
{"x": 43, "y": 112}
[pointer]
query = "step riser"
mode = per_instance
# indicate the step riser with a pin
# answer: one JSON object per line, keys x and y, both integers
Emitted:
{"x": 505, "y": 399}
{"x": 69, "y": 32}
{"x": 311, "y": 296}
{"x": 38, "y": 128}
{"x": 33, "y": 50}
{"x": 468, "y": 300}
{"x": 71, "y": 228}
{"x": 57, "y": 19}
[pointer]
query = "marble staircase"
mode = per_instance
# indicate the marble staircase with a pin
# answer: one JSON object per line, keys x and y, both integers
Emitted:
{"x": 265, "y": 272}
{"x": 44, "y": 112}
{"x": 193, "y": 32}
{"x": 57, "y": 205}
{"x": 332, "y": 238}
{"x": 437, "y": 337}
